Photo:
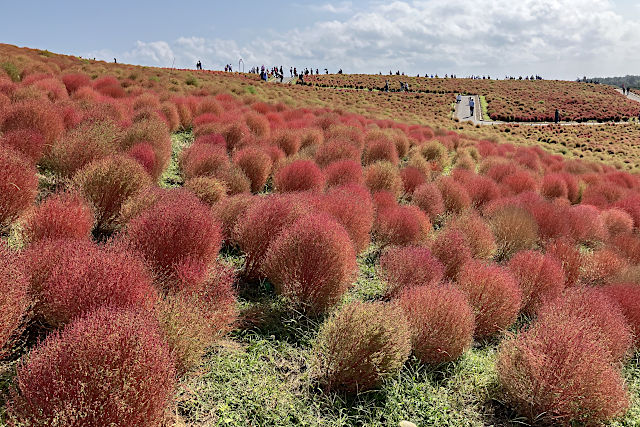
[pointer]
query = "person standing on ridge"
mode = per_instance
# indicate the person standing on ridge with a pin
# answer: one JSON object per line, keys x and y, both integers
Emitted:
{"x": 472, "y": 105}
{"x": 557, "y": 116}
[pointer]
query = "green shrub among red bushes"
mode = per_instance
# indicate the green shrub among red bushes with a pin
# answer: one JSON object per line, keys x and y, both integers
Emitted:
{"x": 106, "y": 184}
{"x": 441, "y": 322}
{"x": 312, "y": 262}
{"x": 362, "y": 344}
{"x": 115, "y": 366}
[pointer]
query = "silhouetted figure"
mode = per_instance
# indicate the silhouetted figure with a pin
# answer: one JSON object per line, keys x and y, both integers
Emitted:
{"x": 472, "y": 105}
{"x": 557, "y": 116}
{"x": 386, "y": 86}
{"x": 114, "y": 61}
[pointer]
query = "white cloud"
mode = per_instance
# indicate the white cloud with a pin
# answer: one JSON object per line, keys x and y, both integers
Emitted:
{"x": 555, "y": 38}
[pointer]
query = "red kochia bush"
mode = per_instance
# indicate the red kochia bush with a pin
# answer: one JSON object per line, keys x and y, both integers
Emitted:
{"x": 617, "y": 221}
{"x": 494, "y": 295}
{"x": 412, "y": 178}
{"x": 383, "y": 176}
{"x": 18, "y": 185}
{"x": 567, "y": 252}
{"x": 627, "y": 295}
{"x": 336, "y": 151}
{"x": 259, "y": 226}
{"x": 143, "y": 153}
{"x": 29, "y": 142}
{"x": 175, "y": 229}
{"x": 559, "y": 373}
{"x": 540, "y": 277}
{"x": 352, "y": 207}
{"x": 477, "y": 234}
{"x": 452, "y": 250}
{"x": 75, "y": 81}
{"x": 63, "y": 215}
{"x": 228, "y": 210}
{"x": 402, "y": 225}
{"x": 344, "y": 172}
{"x": 116, "y": 369}
{"x": 362, "y": 344}
{"x": 441, "y": 322}
{"x": 381, "y": 150}
{"x": 312, "y": 262}
{"x": 601, "y": 267}
{"x": 586, "y": 224}
{"x": 456, "y": 199}
{"x": 300, "y": 175}
{"x": 81, "y": 278}
{"x": 256, "y": 164}
{"x": 404, "y": 268}
{"x": 33, "y": 115}
{"x": 14, "y": 297}
{"x": 107, "y": 184}
{"x": 203, "y": 159}
{"x": 428, "y": 198}
{"x": 592, "y": 304}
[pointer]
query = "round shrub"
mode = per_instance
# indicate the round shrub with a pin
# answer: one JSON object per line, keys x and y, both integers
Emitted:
{"x": 454, "y": 196}
{"x": 554, "y": 186}
{"x": 143, "y": 153}
{"x": 627, "y": 295}
{"x": 559, "y": 373}
{"x": 494, "y": 295}
{"x": 586, "y": 224}
{"x": 381, "y": 150}
{"x": 477, "y": 234}
{"x": 235, "y": 180}
{"x": 428, "y": 198}
{"x": 592, "y": 304}
{"x": 311, "y": 262}
{"x": 228, "y": 210}
{"x": 336, "y": 151}
{"x": 209, "y": 190}
{"x": 288, "y": 140}
{"x": 601, "y": 267}
{"x": 195, "y": 315}
{"x": 256, "y": 164}
{"x": 514, "y": 228}
{"x": 115, "y": 366}
{"x": 63, "y": 215}
{"x": 404, "y": 268}
{"x": 18, "y": 185}
{"x": 441, "y": 322}
{"x": 628, "y": 245}
{"x": 261, "y": 224}
{"x": 107, "y": 183}
{"x": 33, "y": 115}
{"x": 383, "y": 176}
{"x": 412, "y": 178}
{"x": 566, "y": 251}
{"x": 352, "y": 207}
{"x": 175, "y": 229}
{"x": 402, "y": 225}
{"x": 75, "y": 81}
{"x": 89, "y": 142}
{"x": 14, "y": 297}
{"x": 617, "y": 221}
{"x": 362, "y": 344}
{"x": 451, "y": 249}
{"x": 540, "y": 277}
{"x": 300, "y": 175}
{"x": 82, "y": 278}
{"x": 29, "y": 142}
{"x": 203, "y": 159}
{"x": 344, "y": 172}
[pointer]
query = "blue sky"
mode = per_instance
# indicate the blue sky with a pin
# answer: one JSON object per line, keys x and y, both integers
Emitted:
{"x": 555, "y": 38}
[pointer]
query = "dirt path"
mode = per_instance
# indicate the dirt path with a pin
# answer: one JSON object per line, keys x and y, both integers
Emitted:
{"x": 632, "y": 96}
{"x": 463, "y": 114}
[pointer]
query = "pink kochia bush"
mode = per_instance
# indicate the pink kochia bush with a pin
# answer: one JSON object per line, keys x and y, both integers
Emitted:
{"x": 300, "y": 175}
{"x": 18, "y": 185}
{"x": 312, "y": 262}
{"x": 559, "y": 373}
{"x": 494, "y": 295}
{"x": 71, "y": 277}
{"x": 115, "y": 366}
{"x": 441, "y": 322}
{"x": 402, "y": 225}
{"x": 261, "y": 224}
{"x": 404, "y": 268}
{"x": 540, "y": 277}
{"x": 362, "y": 344}
{"x": 174, "y": 230}
{"x": 63, "y": 215}
{"x": 627, "y": 296}
{"x": 14, "y": 296}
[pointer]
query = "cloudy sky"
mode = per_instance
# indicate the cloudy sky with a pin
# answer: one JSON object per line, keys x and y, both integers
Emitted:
{"x": 555, "y": 38}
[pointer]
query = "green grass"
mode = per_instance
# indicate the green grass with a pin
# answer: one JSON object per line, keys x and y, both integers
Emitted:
{"x": 484, "y": 105}
{"x": 171, "y": 176}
